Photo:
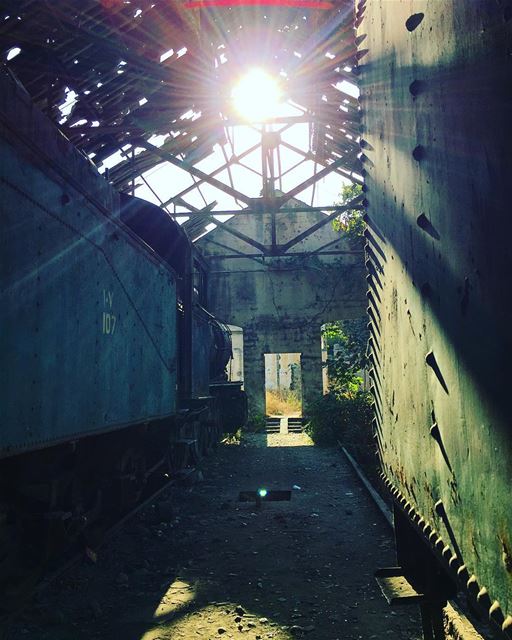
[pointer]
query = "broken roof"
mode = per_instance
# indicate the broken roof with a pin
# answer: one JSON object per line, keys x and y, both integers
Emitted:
{"x": 115, "y": 73}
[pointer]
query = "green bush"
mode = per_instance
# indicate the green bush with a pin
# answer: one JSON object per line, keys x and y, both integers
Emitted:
{"x": 256, "y": 422}
{"x": 350, "y": 223}
{"x": 342, "y": 417}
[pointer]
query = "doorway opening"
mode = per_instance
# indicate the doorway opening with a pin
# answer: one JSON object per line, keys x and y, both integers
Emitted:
{"x": 344, "y": 344}
{"x": 283, "y": 384}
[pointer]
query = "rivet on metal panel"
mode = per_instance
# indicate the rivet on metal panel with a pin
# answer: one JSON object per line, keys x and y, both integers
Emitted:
{"x": 424, "y": 223}
{"x": 496, "y": 613}
{"x": 416, "y": 87}
{"x": 414, "y": 21}
{"x": 430, "y": 359}
{"x": 506, "y": 627}
{"x": 439, "y": 509}
{"x": 483, "y": 598}
{"x": 462, "y": 572}
{"x": 439, "y": 545}
{"x": 418, "y": 153}
{"x": 434, "y": 431}
{"x": 472, "y": 585}
{"x": 446, "y": 553}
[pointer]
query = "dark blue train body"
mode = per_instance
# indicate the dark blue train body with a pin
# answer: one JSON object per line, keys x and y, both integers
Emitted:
{"x": 111, "y": 371}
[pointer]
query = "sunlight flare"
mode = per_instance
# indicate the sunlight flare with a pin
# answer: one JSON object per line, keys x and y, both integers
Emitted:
{"x": 257, "y": 96}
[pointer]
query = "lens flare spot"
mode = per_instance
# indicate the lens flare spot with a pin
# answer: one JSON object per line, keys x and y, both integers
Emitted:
{"x": 257, "y": 96}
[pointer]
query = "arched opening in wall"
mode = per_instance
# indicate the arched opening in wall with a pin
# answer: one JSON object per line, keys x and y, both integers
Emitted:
{"x": 283, "y": 384}
{"x": 344, "y": 344}
{"x": 235, "y": 367}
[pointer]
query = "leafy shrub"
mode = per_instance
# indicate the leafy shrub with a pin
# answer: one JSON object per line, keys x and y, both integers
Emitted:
{"x": 346, "y": 354}
{"x": 341, "y": 417}
{"x": 350, "y": 223}
{"x": 256, "y": 422}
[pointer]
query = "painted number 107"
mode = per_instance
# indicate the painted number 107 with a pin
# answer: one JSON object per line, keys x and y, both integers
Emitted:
{"x": 108, "y": 318}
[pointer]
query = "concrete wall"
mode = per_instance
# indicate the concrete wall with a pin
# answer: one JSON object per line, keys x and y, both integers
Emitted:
{"x": 281, "y": 302}
{"x": 436, "y": 101}
{"x": 236, "y": 363}
{"x": 279, "y": 370}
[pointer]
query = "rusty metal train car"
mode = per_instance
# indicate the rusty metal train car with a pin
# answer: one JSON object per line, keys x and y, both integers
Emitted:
{"x": 112, "y": 370}
{"x": 436, "y": 100}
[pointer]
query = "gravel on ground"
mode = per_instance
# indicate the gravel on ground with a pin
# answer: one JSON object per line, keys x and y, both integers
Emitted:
{"x": 200, "y": 564}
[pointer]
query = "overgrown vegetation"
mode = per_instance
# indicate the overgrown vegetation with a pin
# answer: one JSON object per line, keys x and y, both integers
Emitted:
{"x": 283, "y": 402}
{"x": 344, "y": 414}
{"x": 256, "y": 422}
{"x": 350, "y": 223}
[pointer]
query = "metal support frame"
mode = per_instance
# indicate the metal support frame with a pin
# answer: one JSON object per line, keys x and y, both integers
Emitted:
{"x": 270, "y": 202}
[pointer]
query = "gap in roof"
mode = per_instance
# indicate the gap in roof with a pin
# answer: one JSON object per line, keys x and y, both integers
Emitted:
{"x": 166, "y": 55}
{"x": 12, "y": 53}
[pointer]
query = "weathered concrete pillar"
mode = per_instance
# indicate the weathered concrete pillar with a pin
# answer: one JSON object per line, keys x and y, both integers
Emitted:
{"x": 254, "y": 372}
{"x": 312, "y": 386}
{"x": 311, "y": 366}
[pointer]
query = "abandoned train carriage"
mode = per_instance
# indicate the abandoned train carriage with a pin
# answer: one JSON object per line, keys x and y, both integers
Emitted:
{"x": 103, "y": 334}
{"x": 435, "y": 106}
{"x": 436, "y": 100}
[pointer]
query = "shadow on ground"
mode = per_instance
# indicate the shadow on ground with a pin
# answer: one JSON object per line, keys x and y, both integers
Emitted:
{"x": 205, "y": 565}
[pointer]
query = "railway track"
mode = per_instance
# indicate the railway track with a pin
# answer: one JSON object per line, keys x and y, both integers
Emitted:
{"x": 54, "y": 562}
{"x": 182, "y": 477}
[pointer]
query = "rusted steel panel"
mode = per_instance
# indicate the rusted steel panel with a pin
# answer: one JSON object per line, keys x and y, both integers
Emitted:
{"x": 201, "y": 352}
{"x": 88, "y": 313}
{"x": 436, "y": 99}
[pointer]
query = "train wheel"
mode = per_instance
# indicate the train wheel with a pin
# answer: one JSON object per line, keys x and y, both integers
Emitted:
{"x": 192, "y": 437}
{"x": 131, "y": 470}
{"x": 177, "y": 458}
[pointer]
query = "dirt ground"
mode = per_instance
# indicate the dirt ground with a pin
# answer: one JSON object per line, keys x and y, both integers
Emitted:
{"x": 201, "y": 564}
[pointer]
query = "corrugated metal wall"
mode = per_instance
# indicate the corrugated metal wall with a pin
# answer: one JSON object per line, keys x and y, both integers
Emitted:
{"x": 436, "y": 98}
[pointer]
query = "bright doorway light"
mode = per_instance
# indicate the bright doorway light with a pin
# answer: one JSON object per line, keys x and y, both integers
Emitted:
{"x": 257, "y": 96}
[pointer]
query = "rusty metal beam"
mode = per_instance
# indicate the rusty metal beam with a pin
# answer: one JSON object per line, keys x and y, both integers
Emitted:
{"x": 353, "y": 204}
{"x": 183, "y": 164}
{"x": 263, "y": 210}
{"x": 244, "y": 238}
{"x": 257, "y": 257}
{"x": 234, "y": 160}
{"x": 299, "y": 254}
{"x": 310, "y": 181}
